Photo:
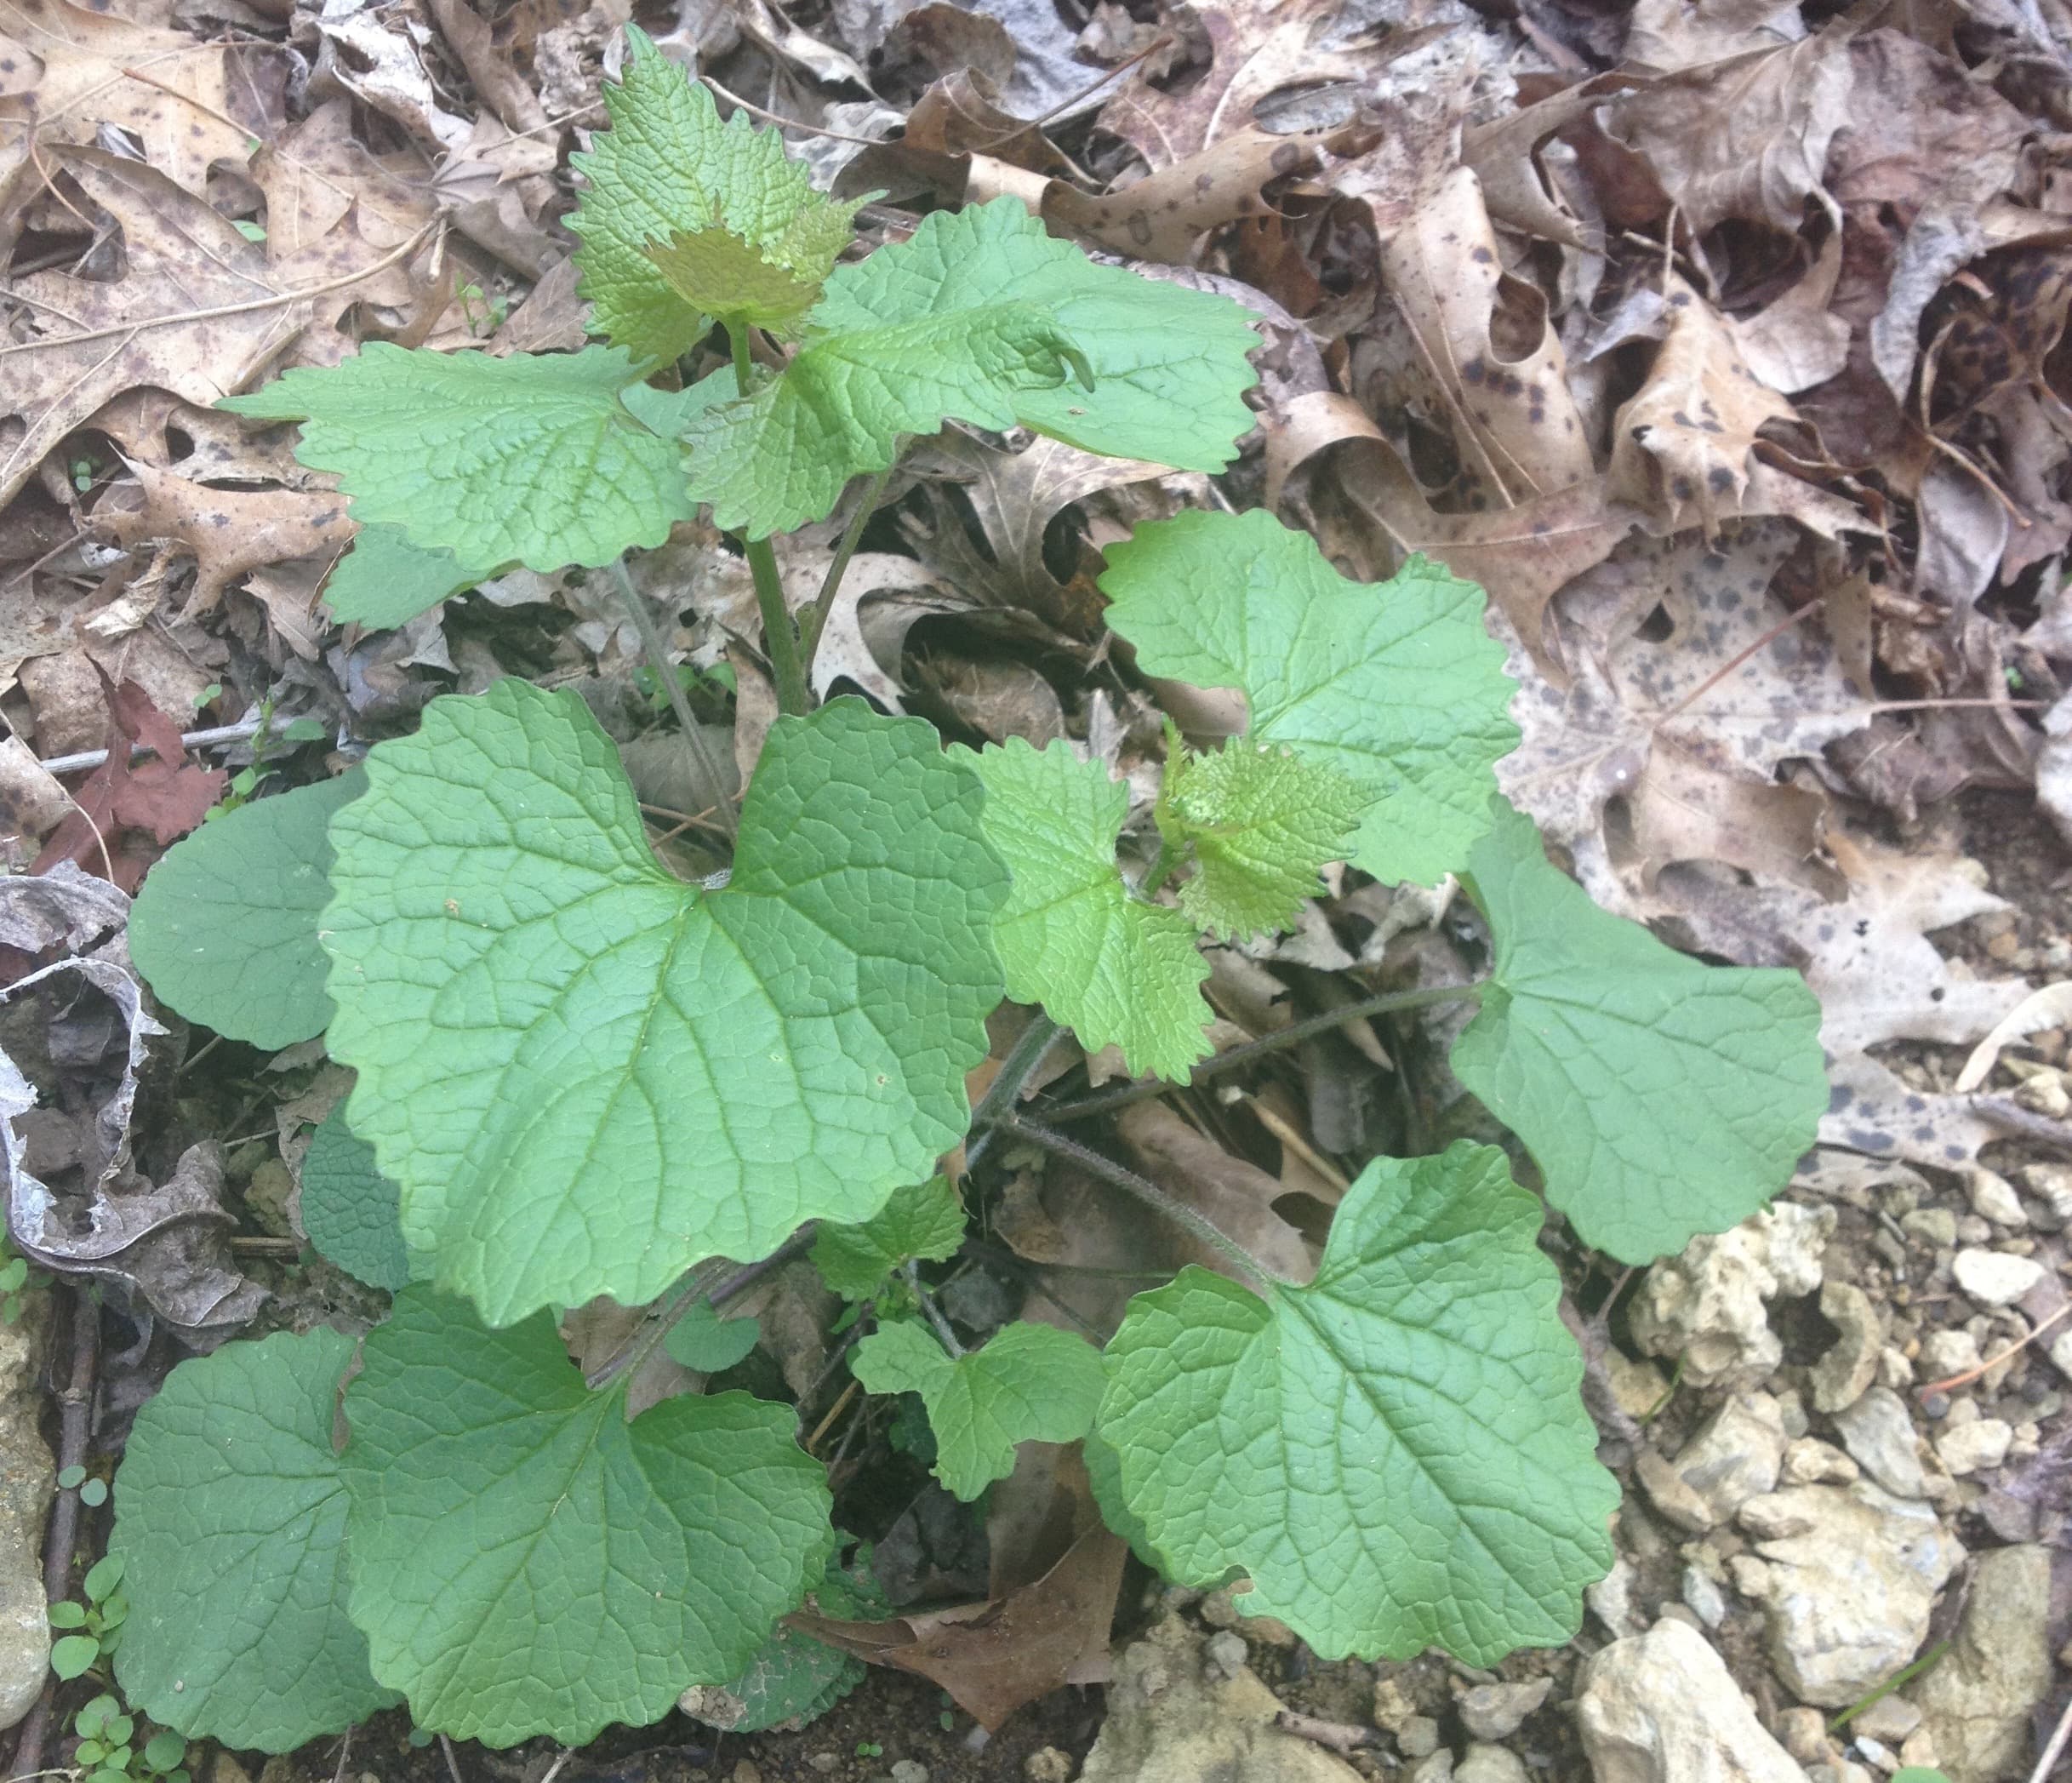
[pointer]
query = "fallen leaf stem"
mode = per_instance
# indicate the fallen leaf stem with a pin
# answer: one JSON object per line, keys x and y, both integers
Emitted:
{"x": 652, "y": 642}
{"x": 814, "y": 625}
{"x": 780, "y": 638}
{"x": 1386, "y": 1002}
{"x": 1142, "y": 1189}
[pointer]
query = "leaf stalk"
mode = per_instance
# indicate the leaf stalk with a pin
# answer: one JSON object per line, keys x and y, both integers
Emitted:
{"x": 780, "y": 637}
{"x": 665, "y": 671}
{"x": 814, "y": 625}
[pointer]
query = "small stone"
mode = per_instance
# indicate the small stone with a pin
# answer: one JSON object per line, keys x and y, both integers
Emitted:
{"x": 1670, "y": 1493}
{"x": 2051, "y": 1185}
{"x": 1663, "y": 1708}
{"x": 1418, "y": 1737}
{"x": 1707, "y": 1602}
{"x": 1944, "y": 1353}
{"x": 1435, "y": 1767}
{"x": 27, "y": 1477}
{"x": 1705, "y": 1306}
{"x": 1218, "y": 1611}
{"x": 1976, "y": 1704}
{"x": 228, "y": 1769}
{"x": 1993, "y": 1197}
{"x": 1996, "y": 1277}
{"x": 1270, "y": 1631}
{"x": 1920, "y": 1750}
{"x": 826, "y": 1762}
{"x": 1850, "y": 1364}
{"x": 1890, "y": 1718}
{"x": 1791, "y": 1408}
{"x": 1811, "y": 1462}
{"x": 1491, "y": 1764}
{"x": 1392, "y": 1705}
{"x": 1805, "y": 1734}
{"x": 1047, "y": 1764}
{"x": 1974, "y": 1447}
{"x": 1637, "y": 1387}
{"x": 910, "y": 1770}
{"x": 1495, "y": 1711}
{"x": 2045, "y": 1093}
{"x": 746, "y": 1773}
{"x": 1879, "y": 1435}
{"x": 1751, "y": 1577}
{"x": 1933, "y": 1227}
{"x": 2061, "y": 1353}
{"x": 1843, "y": 1772}
{"x": 1735, "y": 1456}
{"x": 1227, "y": 1653}
{"x": 1611, "y": 1601}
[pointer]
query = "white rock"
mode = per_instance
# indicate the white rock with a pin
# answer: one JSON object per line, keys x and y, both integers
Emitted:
{"x": 1736, "y": 1455}
{"x": 1976, "y": 1703}
{"x": 1850, "y": 1364}
{"x": 1491, "y": 1764}
{"x": 1953, "y": 1351}
{"x": 1853, "y": 1575}
{"x": 27, "y": 1475}
{"x": 1661, "y": 1707}
{"x": 1705, "y": 1599}
{"x": 1996, "y": 1277}
{"x": 1877, "y": 1431}
{"x": 2061, "y": 1353}
{"x": 1705, "y": 1306}
{"x": 1993, "y": 1197}
{"x": 1975, "y": 1446}
{"x": 1811, "y": 1462}
{"x": 1495, "y": 1712}
{"x": 1611, "y": 1600}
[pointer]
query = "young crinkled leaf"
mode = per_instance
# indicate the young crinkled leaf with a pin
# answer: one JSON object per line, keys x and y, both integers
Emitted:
{"x": 225, "y": 929}
{"x": 668, "y": 166}
{"x": 979, "y": 317}
{"x": 922, "y": 1220}
{"x": 1661, "y": 1097}
{"x": 1029, "y": 1383}
{"x": 714, "y": 270}
{"x": 1115, "y": 969}
{"x": 230, "y": 1515}
{"x": 1264, "y": 823}
{"x": 585, "y": 1076}
{"x": 532, "y": 460}
{"x": 527, "y": 1561}
{"x": 1397, "y": 686}
{"x": 351, "y": 1211}
{"x": 1397, "y": 1454}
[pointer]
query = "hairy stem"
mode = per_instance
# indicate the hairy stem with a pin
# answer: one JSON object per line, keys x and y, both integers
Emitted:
{"x": 1149, "y": 1192}
{"x": 814, "y": 624}
{"x": 780, "y": 638}
{"x": 912, "y": 1272}
{"x": 1387, "y": 1002}
{"x": 658, "y": 659}
{"x": 1015, "y": 1070}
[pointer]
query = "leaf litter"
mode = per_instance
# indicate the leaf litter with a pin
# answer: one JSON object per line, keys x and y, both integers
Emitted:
{"x": 1722, "y": 345}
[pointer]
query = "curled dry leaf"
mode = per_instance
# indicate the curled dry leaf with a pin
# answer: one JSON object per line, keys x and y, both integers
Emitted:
{"x": 2048, "y": 1007}
{"x": 229, "y": 532}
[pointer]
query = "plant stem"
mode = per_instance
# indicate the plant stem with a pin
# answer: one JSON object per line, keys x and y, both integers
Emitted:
{"x": 779, "y": 639}
{"x": 1015, "y": 1070}
{"x": 1387, "y": 1002}
{"x": 644, "y": 1343}
{"x": 912, "y": 1272}
{"x": 814, "y": 624}
{"x": 1143, "y": 1189}
{"x": 658, "y": 660}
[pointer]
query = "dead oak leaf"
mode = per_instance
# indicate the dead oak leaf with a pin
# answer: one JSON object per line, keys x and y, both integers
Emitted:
{"x": 1681, "y": 443}
{"x": 229, "y": 532}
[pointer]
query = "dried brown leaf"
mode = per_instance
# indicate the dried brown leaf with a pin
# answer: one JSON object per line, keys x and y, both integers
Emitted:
{"x": 229, "y": 532}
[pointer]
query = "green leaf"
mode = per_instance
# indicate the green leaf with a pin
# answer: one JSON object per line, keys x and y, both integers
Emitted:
{"x": 668, "y": 166}
{"x": 527, "y": 1561}
{"x": 225, "y": 929}
{"x": 1030, "y": 1383}
{"x": 716, "y": 272}
{"x": 922, "y": 1220}
{"x": 90, "y": 1751}
{"x": 103, "y": 1576}
{"x": 1660, "y": 1097}
{"x": 386, "y": 581}
{"x": 1397, "y": 686}
{"x": 68, "y": 1477}
{"x": 979, "y": 317}
{"x": 531, "y": 460}
{"x": 1265, "y": 822}
{"x": 1115, "y": 969}
{"x": 1397, "y": 1454}
{"x": 120, "y": 1729}
{"x": 351, "y": 1211}
{"x": 232, "y": 1517}
{"x": 585, "y": 1076}
{"x": 704, "y": 1341}
{"x": 67, "y": 1615}
{"x": 165, "y": 1752}
{"x": 794, "y": 1679}
{"x": 94, "y": 1494}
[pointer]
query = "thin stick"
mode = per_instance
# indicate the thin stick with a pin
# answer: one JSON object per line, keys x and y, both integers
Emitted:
{"x": 814, "y": 622}
{"x": 780, "y": 638}
{"x": 246, "y": 308}
{"x": 912, "y": 1272}
{"x": 790, "y": 123}
{"x": 842, "y": 1403}
{"x": 679, "y": 701}
{"x": 1108, "y": 1171}
{"x": 1087, "y": 93}
{"x": 345, "y": 1754}
{"x": 1020, "y": 1065}
{"x": 242, "y": 732}
{"x": 452, "y": 1764}
{"x": 1386, "y": 1003}
{"x": 2055, "y": 1749}
{"x": 1993, "y": 1361}
{"x": 561, "y": 1759}
{"x": 1906, "y": 1674}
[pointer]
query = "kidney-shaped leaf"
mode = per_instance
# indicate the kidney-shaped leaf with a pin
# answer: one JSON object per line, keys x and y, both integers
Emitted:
{"x": 527, "y": 1561}
{"x": 1660, "y": 1096}
{"x": 1397, "y": 1454}
{"x": 584, "y": 1075}
{"x": 1395, "y": 684}
{"x": 225, "y": 929}
{"x": 230, "y": 1515}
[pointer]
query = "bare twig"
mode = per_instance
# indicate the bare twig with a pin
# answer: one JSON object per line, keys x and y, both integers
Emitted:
{"x": 561, "y": 1759}
{"x": 452, "y": 1764}
{"x": 1341, "y": 1736}
{"x": 664, "y": 672}
{"x": 2055, "y": 1749}
{"x": 1994, "y": 1360}
{"x": 344, "y": 1756}
{"x": 242, "y": 732}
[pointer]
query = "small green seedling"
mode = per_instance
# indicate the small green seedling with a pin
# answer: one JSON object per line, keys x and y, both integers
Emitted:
{"x": 107, "y": 1752}
{"x": 579, "y": 1075}
{"x": 18, "y": 1279}
{"x": 90, "y": 1632}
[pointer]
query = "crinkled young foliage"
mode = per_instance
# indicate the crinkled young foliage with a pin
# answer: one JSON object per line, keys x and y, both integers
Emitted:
{"x": 1115, "y": 968}
{"x": 584, "y": 1075}
{"x": 527, "y": 1561}
{"x": 1660, "y": 1096}
{"x": 229, "y": 1518}
{"x": 1027, "y": 1383}
{"x": 668, "y": 168}
{"x": 1397, "y": 687}
{"x": 225, "y": 929}
{"x": 922, "y": 1220}
{"x": 1396, "y": 1453}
